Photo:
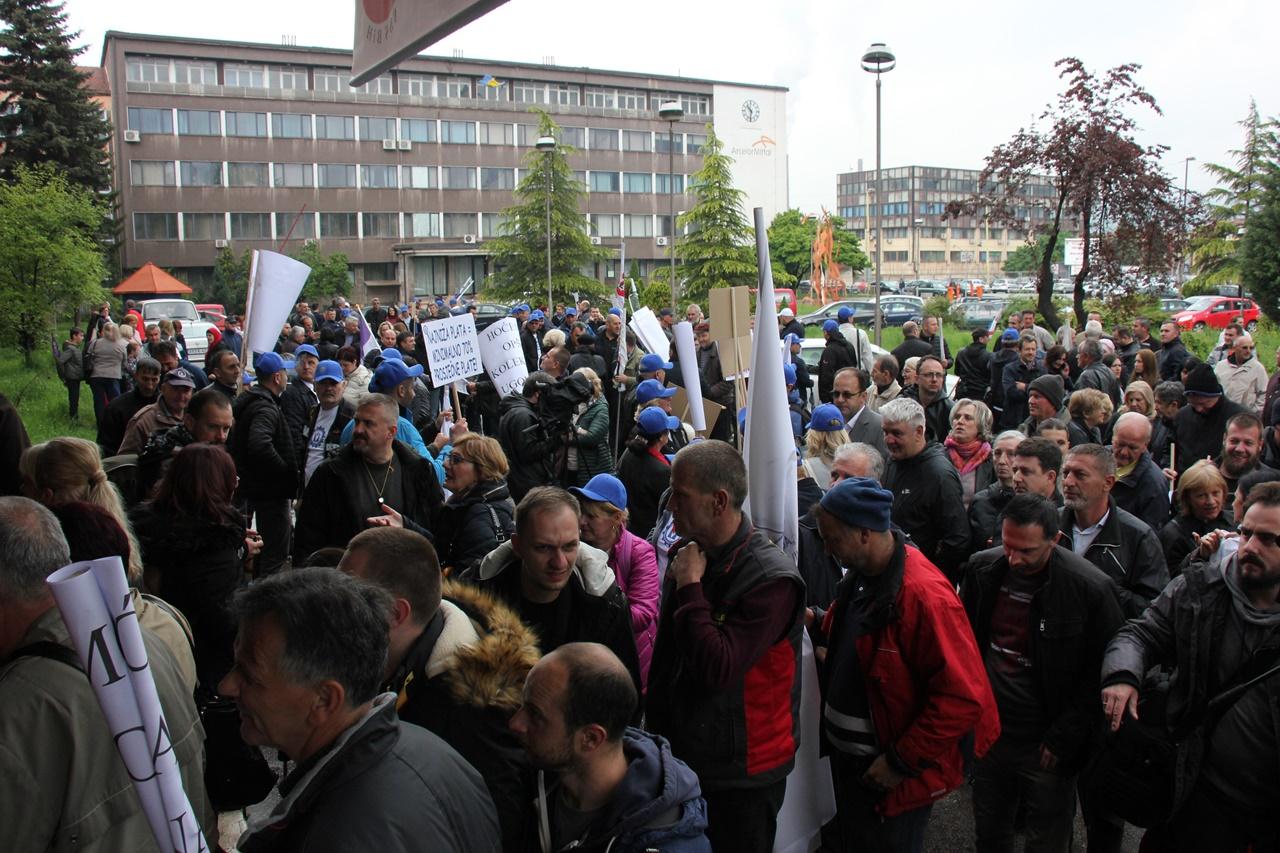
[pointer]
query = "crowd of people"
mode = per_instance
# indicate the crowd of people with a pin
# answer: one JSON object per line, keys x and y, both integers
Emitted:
{"x": 544, "y": 621}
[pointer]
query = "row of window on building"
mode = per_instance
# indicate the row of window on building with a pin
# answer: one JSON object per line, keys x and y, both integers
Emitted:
{"x": 165, "y": 121}
{"x": 861, "y": 211}
{"x": 366, "y": 225}
{"x": 938, "y": 257}
{"x": 214, "y": 173}
{"x": 147, "y": 69}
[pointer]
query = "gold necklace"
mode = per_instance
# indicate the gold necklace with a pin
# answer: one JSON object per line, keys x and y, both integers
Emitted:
{"x": 376, "y": 487}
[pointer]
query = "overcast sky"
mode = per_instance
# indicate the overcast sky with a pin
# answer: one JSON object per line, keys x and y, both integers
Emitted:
{"x": 968, "y": 74}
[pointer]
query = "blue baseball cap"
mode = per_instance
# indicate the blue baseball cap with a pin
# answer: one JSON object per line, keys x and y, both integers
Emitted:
{"x": 617, "y": 312}
{"x": 393, "y": 353}
{"x": 330, "y": 371}
{"x": 267, "y": 364}
{"x": 1009, "y": 336}
{"x": 826, "y": 418}
{"x": 860, "y": 502}
{"x": 523, "y": 306}
{"x": 571, "y": 311}
{"x": 653, "y": 361}
{"x": 789, "y": 373}
{"x": 830, "y": 326}
{"x": 604, "y": 488}
{"x": 844, "y": 313}
{"x": 651, "y": 389}
{"x": 305, "y": 349}
{"x": 391, "y": 373}
{"x": 792, "y": 339}
{"x": 653, "y": 422}
{"x": 537, "y": 315}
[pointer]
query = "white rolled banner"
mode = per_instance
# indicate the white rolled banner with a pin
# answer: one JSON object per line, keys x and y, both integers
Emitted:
{"x": 503, "y": 356}
{"x": 97, "y": 607}
{"x": 687, "y": 351}
{"x": 453, "y": 352}
{"x": 274, "y": 288}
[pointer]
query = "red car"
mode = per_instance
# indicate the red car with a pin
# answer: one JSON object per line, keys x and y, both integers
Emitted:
{"x": 1216, "y": 312}
{"x": 215, "y": 314}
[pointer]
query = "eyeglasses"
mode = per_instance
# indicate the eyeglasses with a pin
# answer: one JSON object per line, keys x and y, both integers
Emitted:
{"x": 846, "y": 395}
{"x": 456, "y": 458}
{"x": 1267, "y": 540}
{"x": 931, "y": 375}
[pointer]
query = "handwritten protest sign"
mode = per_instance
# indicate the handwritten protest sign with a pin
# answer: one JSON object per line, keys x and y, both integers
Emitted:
{"x": 452, "y": 349}
{"x": 503, "y": 356}
{"x": 97, "y": 608}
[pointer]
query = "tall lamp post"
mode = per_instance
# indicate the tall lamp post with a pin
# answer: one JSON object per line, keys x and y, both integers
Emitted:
{"x": 878, "y": 60}
{"x": 915, "y": 232}
{"x": 1186, "y": 174}
{"x": 671, "y": 112}
{"x": 547, "y": 145}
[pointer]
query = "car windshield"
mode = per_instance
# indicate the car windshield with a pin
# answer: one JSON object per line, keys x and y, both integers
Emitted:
{"x": 1199, "y": 303}
{"x": 169, "y": 310}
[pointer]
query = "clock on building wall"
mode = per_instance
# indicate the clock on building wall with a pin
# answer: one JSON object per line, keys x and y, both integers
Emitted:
{"x": 750, "y": 110}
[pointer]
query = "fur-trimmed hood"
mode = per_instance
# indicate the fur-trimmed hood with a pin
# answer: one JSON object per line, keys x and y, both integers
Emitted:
{"x": 484, "y": 651}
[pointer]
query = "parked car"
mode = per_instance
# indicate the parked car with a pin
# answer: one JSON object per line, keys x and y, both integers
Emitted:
{"x": 894, "y": 311}
{"x": 214, "y": 313}
{"x": 981, "y": 313}
{"x": 193, "y": 327}
{"x": 811, "y": 352}
{"x": 1216, "y": 312}
{"x": 1173, "y": 304}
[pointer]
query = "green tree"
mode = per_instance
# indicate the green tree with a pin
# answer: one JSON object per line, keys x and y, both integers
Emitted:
{"x": 520, "y": 251}
{"x": 330, "y": 274}
{"x": 1029, "y": 256}
{"x": 46, "y": 115}
{"x": 718, "y": 247}
{"x": 791, "y": 236}
{"x": 231, "y": 277}
{"x": 1260, "y": 247}
{"x": 50, "y": 258}
{"x": 1215, "y": 245}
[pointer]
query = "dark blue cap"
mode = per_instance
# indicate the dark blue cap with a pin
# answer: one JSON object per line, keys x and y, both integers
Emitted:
{"x": 860, "y": 502}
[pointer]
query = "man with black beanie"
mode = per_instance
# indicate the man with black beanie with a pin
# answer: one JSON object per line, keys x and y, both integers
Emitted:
{"x": 1199, "y": 426}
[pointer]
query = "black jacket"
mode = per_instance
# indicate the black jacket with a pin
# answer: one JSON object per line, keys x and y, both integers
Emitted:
{"x": 1073, "y": 617}
{"x": 911, "y": 348}
{"x": 463, "y": 679}
{"x": 1078, "y": 433}
{"x": 531, "y": 345}
{"x": 937, "y": 415}
{"x": 296, "y": 403}
{"x": 116, "y": 416}
{"x": 819, "y": 570}
{"x": 391, "y": 787}
{"x": 1177, "y": 537}
{"x": 473, "y": 523}
{"x": 1128, "y": 552}
{"x": 331, "y": 512}
{"x": 995, "y": 390}
{"x": 984, "y": 516}
{"x": 526, "y": 444}
{"x": 332, "y": 439}
{"x": 1099, "y": 376}
{"x": 585, "y": 356}
{"x": 836, "y": 355}
{"x": 1015, "y": 399}
{"x": 646, "y": 478}
{"x": 928, "y": 503}
{"x": 1198, "y": 436}
{"x": 792, "y": 327}
{"x": 262, "y": 447}
{"x": 973, "y": 369}
{"x": 1170, "y": 358}
{"x": 1144, "y": 493}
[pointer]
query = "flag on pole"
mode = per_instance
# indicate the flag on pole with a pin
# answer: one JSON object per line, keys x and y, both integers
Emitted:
{"x": 620, "y": 302}
{"x": 769, "y": 451}
{"x": 368, "y": 341}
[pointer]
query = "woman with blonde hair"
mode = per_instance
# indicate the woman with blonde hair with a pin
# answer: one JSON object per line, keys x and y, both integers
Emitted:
{"x": 479, "y": 513}
{"x": 590, "y": 441}
{"x": 1201, "y": 506}
{"x": 128, "y": 328}
{"x": 552, "y": 339}
{"x": 104, "y": 363}
{"x": 826, "y": 434}
{"x": 1089, "y": 409}
{"x": 968, "y": 446}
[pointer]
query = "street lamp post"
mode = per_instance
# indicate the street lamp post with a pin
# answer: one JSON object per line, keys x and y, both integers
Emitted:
{"x": 671, "y": 112}
{"x": 1186, "y": 174}
{"x": 878, "y": 60}
{"x": 547, "y": 145}
{"x": 915, "y": 232}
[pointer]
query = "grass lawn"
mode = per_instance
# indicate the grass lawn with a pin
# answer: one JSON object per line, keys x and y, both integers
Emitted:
{"x": 41, "y": 398}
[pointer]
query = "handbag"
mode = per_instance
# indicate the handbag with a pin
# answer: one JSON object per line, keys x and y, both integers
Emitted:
{"x": 1135, "y": 772}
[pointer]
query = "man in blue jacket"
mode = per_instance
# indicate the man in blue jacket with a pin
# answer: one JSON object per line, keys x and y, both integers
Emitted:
{"x": 615, "y": 788}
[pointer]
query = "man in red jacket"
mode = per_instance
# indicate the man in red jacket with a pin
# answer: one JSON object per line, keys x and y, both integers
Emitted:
{"x": 903, "y": 683}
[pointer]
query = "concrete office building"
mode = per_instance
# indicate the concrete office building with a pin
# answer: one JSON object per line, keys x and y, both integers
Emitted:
{"x": 228, "y": 144}
{"x": 918, "y": 242}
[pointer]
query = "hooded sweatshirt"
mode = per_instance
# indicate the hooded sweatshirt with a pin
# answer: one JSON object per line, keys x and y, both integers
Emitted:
{"x": 658, "y": 805}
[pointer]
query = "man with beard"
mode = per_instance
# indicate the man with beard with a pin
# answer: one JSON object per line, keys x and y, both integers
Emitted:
{"x": 1241, "y": 448}
{"x": 1243, "y": 378}
{"x": 1118, "y": 543}
{"x": 984, "y": 512}
{"x": 224, "y": 372}
{"x": 1216, "y": 626}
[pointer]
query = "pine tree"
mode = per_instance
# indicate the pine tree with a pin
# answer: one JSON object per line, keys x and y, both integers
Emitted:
{"x": 1259, "y": 260}
{"x": 520, "y": 251}
{"x": 46, "y": 115}
{"x": 718, "y": 247}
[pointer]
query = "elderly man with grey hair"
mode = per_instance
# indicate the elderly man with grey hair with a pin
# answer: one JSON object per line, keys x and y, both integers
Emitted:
{"x": 62, "y": 782}
{"x": 310, "y": 654}
{"x": 928, "y": 500}
{"x": 1095, "y": 374}
{"x": 1242, "y": 376}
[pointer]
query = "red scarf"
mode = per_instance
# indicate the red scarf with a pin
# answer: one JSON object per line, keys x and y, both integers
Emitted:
{"x": 968, "y": 456}
{"x": 656, "y": 453}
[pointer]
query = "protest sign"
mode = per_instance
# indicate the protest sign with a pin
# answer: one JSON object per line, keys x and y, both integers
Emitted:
{"x": 275, "y": 282}
{"x": 97, "y": 607}
{"x": 453, "y": 351}
{"x": 687, "y": 353}
{"x": 503, "y": 356}
{"x": 682, "y": 407}
{"x": 731, "y": 329}
{"x": 647, "y": 328}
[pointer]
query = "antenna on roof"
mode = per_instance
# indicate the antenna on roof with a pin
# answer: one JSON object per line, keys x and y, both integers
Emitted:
{"x": 457, "y": 53}
{"x": 289, "y": 40}
{"x": 548, "y": 60}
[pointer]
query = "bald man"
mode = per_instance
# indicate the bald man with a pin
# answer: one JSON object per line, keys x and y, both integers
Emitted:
{"x": 1141, "y": 488}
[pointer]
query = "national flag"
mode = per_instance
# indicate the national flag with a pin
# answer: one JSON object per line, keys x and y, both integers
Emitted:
{"x": 620, "y": 302}
{"x": 490, "y": 81}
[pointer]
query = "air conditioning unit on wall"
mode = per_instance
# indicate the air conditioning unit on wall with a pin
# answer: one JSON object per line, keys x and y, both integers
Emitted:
{"x": 388, "y": 145}
{"x": 469, "y": 239}
{"x": 595, "y": 241}
{"x": 219, "y": 244}
{"x": 662, "y": 241}
{"x": 405, "y": 144}
{"x": 132, "y": 136}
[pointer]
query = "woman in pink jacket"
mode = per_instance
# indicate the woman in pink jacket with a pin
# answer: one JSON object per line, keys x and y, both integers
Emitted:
{"x": 604, "y": 526}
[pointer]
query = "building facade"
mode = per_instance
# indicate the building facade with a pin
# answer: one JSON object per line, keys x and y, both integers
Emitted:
{"x": 919, "y": 243}
{"x": 250, "y": 146}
